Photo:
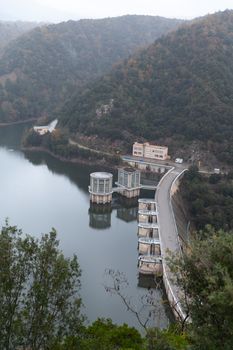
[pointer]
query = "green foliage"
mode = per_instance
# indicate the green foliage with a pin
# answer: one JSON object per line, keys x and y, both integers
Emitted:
{"x": 210, "y": 200}
{"x": 104, "y": 335}
{"x": 42, "y": 68}
{"x": 58, "y": 143}
{"x": 39, "y": 287}
{"x": 168, "y": 339}
{"x": 206, "y": 275}
{"x": 178, "y": 88}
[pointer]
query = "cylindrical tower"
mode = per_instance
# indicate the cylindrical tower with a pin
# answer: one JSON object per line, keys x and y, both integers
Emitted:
{"x": 100, "y": 188}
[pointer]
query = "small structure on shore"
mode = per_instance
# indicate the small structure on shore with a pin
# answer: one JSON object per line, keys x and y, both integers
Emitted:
{"x": 100, "y": 188}
{"x": 42, "y": 130}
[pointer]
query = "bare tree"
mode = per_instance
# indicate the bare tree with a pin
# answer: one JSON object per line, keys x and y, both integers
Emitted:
{"x": 147, "y": 308}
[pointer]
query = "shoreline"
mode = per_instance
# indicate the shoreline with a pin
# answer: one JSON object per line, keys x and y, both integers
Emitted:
{"x": 66, "y": 160}
{"x": 19, "y": 122}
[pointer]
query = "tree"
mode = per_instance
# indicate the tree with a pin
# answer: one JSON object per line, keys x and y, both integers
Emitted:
{"x": 39, "y": 287}
{"x": 171, "y": 338}
{"x": 147, "y": 308}
{"x": 105, "y": 335}
{"x": 206, "y": 275}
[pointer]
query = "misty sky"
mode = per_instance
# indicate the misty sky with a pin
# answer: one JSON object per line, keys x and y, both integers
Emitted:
{"x": 62, "y": 10}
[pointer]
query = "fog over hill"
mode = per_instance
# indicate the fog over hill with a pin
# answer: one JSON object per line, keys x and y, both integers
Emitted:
{"x": 12, "y": 30}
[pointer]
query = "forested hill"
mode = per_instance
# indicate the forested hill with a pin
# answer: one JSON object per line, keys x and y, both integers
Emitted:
{"x": 12, "y": 30}
{"x": 178, "y": 88}
{"x": 41, "y": 67}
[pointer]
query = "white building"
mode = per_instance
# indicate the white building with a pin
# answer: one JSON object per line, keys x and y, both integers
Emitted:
{"x": 150, "y": 151}
{"x": 42, "y": 130}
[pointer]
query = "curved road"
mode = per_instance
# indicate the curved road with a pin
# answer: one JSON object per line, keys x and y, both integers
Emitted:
{"x": 169, "y": 235}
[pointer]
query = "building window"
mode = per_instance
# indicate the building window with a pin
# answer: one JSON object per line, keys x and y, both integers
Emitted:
{"x": 95, "y": 185}
{"x": 101, "y": 186}
{"x": 107, "y": 190}
{"x": 125, "y": 180}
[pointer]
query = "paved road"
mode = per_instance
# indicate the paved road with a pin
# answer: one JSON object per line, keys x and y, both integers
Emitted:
{"x": 168, "y": 230}
{"x": 164, "y": 163}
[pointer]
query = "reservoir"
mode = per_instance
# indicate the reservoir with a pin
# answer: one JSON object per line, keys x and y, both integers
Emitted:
{"x": 39, "y": 192}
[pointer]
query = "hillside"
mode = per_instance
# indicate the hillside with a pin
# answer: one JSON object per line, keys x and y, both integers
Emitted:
{"x": 41, "y": 67}
{"x": 12, "y": 30}
{"x": 176, "y": 91}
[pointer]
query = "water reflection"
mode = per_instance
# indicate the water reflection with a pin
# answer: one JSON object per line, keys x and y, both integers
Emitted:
{"x": 127, "y": 202}
{"x": 39, "y": 192}
{"x": 127, "y": 214}
{"x": 100, "y": 216}
{"x": 156, "y": 296}
{"x": 149, "y": 281}
{"x": 11, "y": 136}
{"x": 76, "y": 174}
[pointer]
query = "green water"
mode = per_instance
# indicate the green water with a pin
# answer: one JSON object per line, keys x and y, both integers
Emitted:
{"x": 38, "y": 192}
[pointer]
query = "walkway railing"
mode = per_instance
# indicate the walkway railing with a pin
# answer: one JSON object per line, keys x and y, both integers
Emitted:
{"x": 172, "y": 291}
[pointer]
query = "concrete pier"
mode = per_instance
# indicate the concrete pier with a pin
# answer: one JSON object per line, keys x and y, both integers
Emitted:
{"x": 149, "y": 260}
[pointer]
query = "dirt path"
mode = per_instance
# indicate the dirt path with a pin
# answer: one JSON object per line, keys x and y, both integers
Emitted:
{"x": 71, "y": 142}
